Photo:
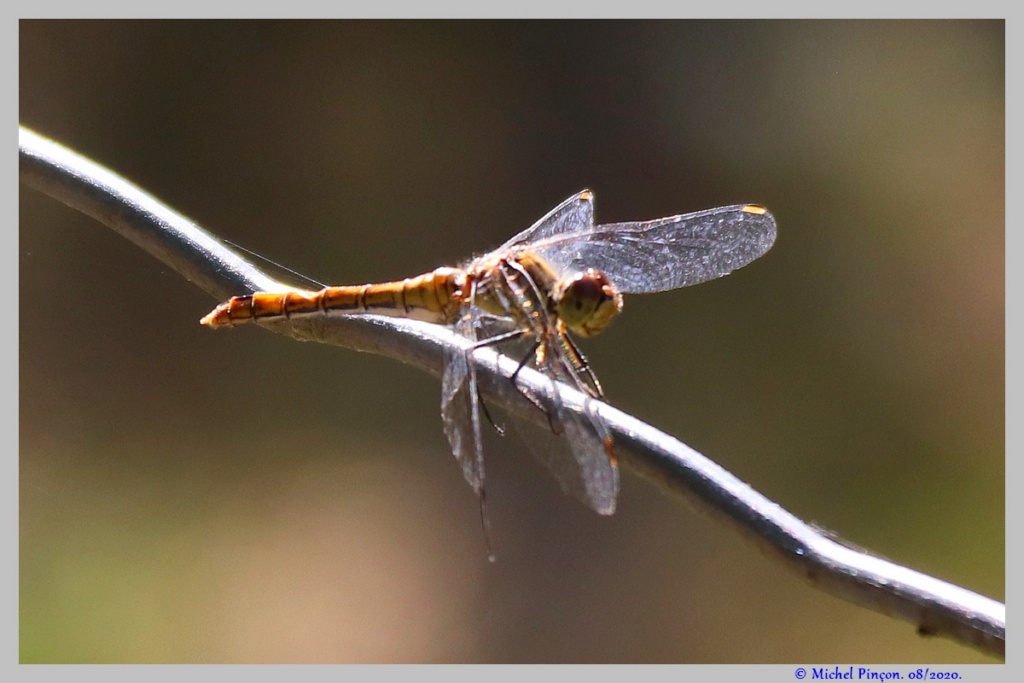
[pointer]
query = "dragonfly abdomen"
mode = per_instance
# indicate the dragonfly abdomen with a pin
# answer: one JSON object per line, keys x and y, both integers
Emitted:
{"x": 432, "y": 297}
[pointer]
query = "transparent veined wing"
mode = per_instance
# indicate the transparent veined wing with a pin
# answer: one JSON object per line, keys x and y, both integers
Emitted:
{"x": 460, "y": 409}
{"x": 666, "y": 253}
{"x": 573, "y": 216}
{"x": 574, "y": 443}
{"x": 650, "y": 256}
{"x": 595, "y": 479}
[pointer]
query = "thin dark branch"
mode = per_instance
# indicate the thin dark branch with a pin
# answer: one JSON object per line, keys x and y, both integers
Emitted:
{"x": 934, "y": 606}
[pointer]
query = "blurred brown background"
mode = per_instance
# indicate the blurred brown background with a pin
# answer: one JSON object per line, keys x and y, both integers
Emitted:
{"x": 191, "y": 496}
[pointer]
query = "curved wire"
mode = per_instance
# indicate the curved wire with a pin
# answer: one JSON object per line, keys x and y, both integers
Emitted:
{"x": 934, "y": 606}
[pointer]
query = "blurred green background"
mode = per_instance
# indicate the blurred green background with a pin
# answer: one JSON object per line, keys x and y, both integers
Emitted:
{"x": 191, "y": 496}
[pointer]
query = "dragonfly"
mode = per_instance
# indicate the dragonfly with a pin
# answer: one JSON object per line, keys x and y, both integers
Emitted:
{"x": 562, "y": 277}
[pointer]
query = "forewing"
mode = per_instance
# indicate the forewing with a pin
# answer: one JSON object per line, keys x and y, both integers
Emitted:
{"x": 460, "y": 409}
{"x": 574, "y": 215}
{"x": 663, "y": 254}
{"x": 574, "y": 446}
{"x": 590, "y": 441}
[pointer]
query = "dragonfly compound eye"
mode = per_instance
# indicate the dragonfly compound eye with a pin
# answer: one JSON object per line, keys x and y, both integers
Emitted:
{"x": 587, "y": 302}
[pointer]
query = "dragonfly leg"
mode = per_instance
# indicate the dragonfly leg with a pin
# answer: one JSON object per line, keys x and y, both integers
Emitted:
{"x": 555, "y": 429}
{"x": 522, "y": 363}
{"x": 497, "y": 339}
{"x": 487, "y": 413}
{"x": 579, "y": 363}
{"x": 490, "y": 342}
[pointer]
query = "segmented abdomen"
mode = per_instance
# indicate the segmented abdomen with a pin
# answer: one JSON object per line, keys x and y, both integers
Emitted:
{"x": 432, "y": 297}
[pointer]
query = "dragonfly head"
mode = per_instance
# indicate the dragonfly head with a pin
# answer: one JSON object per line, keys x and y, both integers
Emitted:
{"x": 586, "y": 302}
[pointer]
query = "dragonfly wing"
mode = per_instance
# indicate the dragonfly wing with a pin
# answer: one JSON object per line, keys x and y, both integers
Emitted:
{"x": 590, "y": 441}
{"x": 575, "y": 448}
{"x": 460, "y": 409}
{"x": 663, "y": 254}
{"x": 574, "y": 215}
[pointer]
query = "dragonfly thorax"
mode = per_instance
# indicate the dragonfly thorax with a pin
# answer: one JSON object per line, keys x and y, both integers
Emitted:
{"x": 586, "y": 302}
{"x": 526, "y": 288}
